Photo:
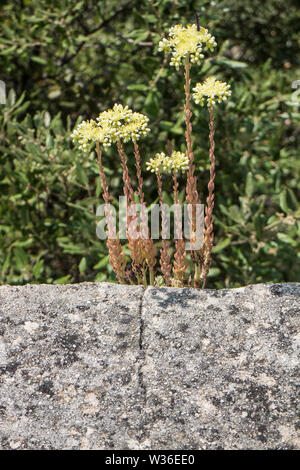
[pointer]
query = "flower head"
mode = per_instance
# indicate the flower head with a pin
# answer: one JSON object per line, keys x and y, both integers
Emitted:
{"x": 122, "y": 123}
{"x": 87, "y": 132}
{"x": 185, "y": 41}
{"x": 212, "y": 89}
{"x": 155, "y": 164}
{"x": 178, "y": 161}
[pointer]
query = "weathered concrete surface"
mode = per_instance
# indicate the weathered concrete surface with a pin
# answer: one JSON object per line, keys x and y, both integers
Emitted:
{"x": 221, "y": 367}
{"x": 70, "y": 376}
{"x": 101, "y": 366}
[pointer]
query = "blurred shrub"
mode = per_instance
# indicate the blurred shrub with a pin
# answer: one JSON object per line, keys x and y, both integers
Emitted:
{"x": 65, "y": 60}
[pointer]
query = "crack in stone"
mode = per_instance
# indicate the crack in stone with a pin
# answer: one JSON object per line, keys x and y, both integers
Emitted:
{"x": 234, "y": 389}
{"x": 141, "y": 357}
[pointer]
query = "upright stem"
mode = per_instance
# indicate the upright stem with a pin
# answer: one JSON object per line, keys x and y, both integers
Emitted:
{"x": 115, "y": 250}
{"x": 209, "y": 218}
{"x": 145, "y": 278}
{"x": 191, "y": 188}
{"x": 138, "y": 171}
{"x": 145, "y": 242}
{"x": 140, "y": 249}
{"x": 175, "y": 188}
{"x": 133, "y": 244}
{"x": 143, "y": 226}
{"x": 106, "y": 196}
{"x": 165, "y": 260}
{"x": 128, "y": 191}
{"x": 151, "y": 276}
{"x": 187, "y": 112}
{"x": 179, "y": 267}
{"x": 192, "y": 196}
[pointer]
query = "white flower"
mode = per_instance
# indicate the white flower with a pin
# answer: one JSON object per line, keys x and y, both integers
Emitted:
{"x": 122, "y": 123}
{"x": 185, "y": 41}
{"x": 178, "y": 161}
{"x": 211, "y": 89}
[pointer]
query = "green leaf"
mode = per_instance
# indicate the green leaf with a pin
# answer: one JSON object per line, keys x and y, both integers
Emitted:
{"x": 6, "y": 263}
{"x": 81, "y": 174}
{"x": 23, "y": 243}
{"x": 82, "y": 265}
{"x": 214, "y": 272}
{"x": 47, "y": 119}
{"x": 63, "y": 280}
{"x": 21, "y": 258}
{"x": 221, "y": 245}
{"x": 286, "y": 239}
{"x": 55, "y": 92}
{"x": 287, "y": 200}
{"x": 39, "y": 60}
{"x": 11, "y": 97}
{"x": 249, "y": 185}
{"x": 102, "y": 263}
{"x": 38, "y": 269}
{"x": 137, "y": 87}
{"x": 234, "y": 64}
{"x": 70, "y": 247}
{"x": 170, "y": 127}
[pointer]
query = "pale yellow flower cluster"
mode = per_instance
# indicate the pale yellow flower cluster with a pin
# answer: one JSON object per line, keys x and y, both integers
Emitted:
{"x": 116, "y": 123}
{"x": 155, "y": 164}
{"x": 185, "y": 41}
{"x": 123, "y": 123}
{"x": 211, "y": 89}
{"x": 87, "y": 132}
{"x": 177, "y": 162}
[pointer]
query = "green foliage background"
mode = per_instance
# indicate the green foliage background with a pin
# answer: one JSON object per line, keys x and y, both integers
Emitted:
{"x": 65, "y": 60}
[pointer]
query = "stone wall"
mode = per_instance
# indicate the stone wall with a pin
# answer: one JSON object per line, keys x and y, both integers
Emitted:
{"x": 102, "y": 366}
